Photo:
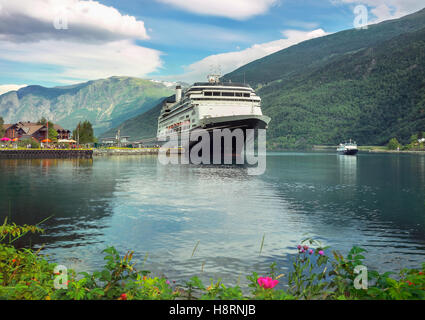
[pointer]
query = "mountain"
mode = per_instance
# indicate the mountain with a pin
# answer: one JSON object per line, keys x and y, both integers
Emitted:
{"x": 143, "y": 126}
{"x": 105, "y": 103}
{"x": 367, "y": 85}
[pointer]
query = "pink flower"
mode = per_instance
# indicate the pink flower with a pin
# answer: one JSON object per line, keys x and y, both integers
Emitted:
{"x": 167, "y": 282}
{"x": 299, "y": 247}
{"x": 267, "y": 282}
{"x": 310, "y": 251}
{"x": 305, "y": 247}
{"x": 321, "y": 252}
{"x": 302, "y": 251}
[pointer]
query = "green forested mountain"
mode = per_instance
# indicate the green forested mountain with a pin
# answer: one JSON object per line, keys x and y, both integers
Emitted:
{"x": 367, "y": 85}
{"x": 105, "y": 103}
{"x": 140, "y": 127}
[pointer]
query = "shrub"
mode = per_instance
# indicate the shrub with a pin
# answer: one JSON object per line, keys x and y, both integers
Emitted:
{"x": 318, "y": 273}
{"x": 25, "y": 142}
{"x": 393, "y": 144}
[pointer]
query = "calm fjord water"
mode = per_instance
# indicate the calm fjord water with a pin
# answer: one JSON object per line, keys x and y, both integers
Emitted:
{"x": 376, "y": 201}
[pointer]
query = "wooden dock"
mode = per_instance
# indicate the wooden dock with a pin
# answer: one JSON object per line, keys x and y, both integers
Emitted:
{"x": 45, "y": 154}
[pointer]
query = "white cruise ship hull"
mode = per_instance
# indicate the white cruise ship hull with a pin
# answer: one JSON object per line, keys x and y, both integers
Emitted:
{"x": 211, "y": 106}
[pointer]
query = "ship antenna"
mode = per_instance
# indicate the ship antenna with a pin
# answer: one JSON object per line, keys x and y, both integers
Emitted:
{"x": 215, "y": 74}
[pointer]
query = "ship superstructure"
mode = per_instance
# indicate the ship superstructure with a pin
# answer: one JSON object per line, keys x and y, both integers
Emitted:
{"x": 348, "y": 148}
{"x": 211, "y": 105}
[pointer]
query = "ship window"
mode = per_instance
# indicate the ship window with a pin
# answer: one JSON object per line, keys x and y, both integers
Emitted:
{"x": 187, "y": 116}
{"x": 208, "y": 94}
{"x": 238, "y": 94}
{"x": 228, "y": 94}
{"x": 246, "y": 94}
{"x": 216, "y": 94}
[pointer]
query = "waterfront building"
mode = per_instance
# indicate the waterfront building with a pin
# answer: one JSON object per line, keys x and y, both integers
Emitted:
{"x": 29, "y": 130}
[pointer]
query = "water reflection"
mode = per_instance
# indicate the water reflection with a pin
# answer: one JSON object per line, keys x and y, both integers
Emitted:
{"x": 347, "y": 169}
{"x": 136, "y": 203}
{"x": 68, "y": 191}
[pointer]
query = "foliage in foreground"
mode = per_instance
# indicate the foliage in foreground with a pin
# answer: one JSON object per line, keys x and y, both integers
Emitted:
{"x": 26, "y": 274}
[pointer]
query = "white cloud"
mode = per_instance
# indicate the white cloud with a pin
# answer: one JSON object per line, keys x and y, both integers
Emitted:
{"x": 234, "y": 9}
{"x": 29, "y": 20}
{"x": 10, "y": 87}
{"x": 387, "y": 9}
{"x": 98, "y": 42}
{"x": 232, "y": 60}
{"x": 84, "y": 61}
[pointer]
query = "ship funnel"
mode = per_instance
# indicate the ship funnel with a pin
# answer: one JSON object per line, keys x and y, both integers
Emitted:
{"x": 178, "y": 93}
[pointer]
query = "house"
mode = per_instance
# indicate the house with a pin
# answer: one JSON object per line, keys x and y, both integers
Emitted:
{"x": 63, "y": 134}
{"x": 30, "y": 130}
{"x": 115, "y": 141}
{"x": 118, "y": 141}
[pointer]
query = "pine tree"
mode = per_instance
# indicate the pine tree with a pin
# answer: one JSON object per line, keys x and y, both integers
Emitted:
{"x": 1, "y": 127}
{"x": 84, "y": 133}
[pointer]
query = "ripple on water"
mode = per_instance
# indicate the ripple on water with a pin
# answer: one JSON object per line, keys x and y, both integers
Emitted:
{"x": 135, "y": 203}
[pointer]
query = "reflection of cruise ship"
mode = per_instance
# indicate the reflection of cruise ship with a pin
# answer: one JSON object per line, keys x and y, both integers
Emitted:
{"x": 349, "y": 148}
{"x": 212, "y": 105}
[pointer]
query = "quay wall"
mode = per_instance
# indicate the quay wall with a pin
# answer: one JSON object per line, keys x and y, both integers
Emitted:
{"x": 45, "y": 154}
{"x": 124, "y": 151}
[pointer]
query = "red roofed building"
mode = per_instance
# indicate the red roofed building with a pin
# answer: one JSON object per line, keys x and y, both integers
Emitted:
{"x": 30, "y": 130}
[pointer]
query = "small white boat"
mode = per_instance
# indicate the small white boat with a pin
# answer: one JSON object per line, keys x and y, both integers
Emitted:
{"x": 349, "y": 148}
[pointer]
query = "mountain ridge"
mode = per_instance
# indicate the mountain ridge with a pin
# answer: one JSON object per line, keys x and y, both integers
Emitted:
{"x": 370, "y": 93}
{"x": 104, "y": 102}
{"x": 359, "y": 91}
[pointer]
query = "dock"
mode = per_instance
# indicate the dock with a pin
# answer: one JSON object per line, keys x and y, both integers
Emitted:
{"x": 132, "y": 151}
{"x": 45, "y": 154}
{"x": 78, "y": 153}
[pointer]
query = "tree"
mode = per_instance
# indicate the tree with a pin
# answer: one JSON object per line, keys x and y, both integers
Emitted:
{"x": 1, "y": 127}
{"x": 42, "y": 121}
{"x": 413, "y": 138}
{"x": 53, "y": 134}
{"x": 84, "y": 133}
{"x": 393, "y": 144}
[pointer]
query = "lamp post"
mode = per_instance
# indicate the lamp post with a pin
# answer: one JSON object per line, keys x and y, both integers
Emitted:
{"x": 47, "y": 141}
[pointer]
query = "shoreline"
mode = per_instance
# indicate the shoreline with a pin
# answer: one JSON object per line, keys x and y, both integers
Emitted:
{"x": 124, "y": 151}
{"x": 95, "y": 153}
{"x": 371, "y": 149}
{"x": 45, "y": 153}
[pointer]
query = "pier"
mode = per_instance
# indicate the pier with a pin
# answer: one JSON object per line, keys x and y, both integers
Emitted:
{"x": 45, "y": 154}
{"x": 134, "y": 151}
{"x": 125, "y": 151}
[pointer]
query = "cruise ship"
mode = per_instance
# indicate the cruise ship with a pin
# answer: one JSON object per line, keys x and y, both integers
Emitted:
{"x": 211, "y": 105}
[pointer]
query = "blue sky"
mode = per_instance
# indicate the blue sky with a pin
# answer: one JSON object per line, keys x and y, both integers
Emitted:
{"x": 60, "y": 42}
